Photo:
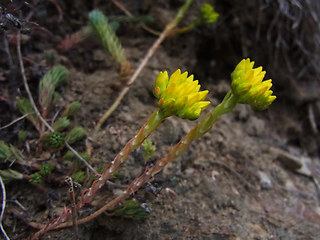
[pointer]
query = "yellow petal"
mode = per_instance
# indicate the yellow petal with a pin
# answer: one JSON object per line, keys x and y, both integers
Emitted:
{"x": 175, "y": 77}
{"x": 181, "y": 96}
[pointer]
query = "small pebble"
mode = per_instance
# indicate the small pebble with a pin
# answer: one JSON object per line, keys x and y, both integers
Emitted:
{"x": 265, "y": 180}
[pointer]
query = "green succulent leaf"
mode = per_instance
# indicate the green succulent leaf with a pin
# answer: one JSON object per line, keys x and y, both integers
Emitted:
{"x": 61, "y": 124}
{"x": 25, "y": 107}
{"x": 35, "y": 178}
{"x": 53, "y": 140}
{"x": 76, "y": 134}
{"x": 79, "y": 176}
{"x": 72, "y": 109}
{"x": 132, "y": 209}
{"x": 48, "y": 84}
{"x": 46, "y": 169}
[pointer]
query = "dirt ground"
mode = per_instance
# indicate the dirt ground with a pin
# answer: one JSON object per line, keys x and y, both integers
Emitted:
{"x": 255, "y": 175}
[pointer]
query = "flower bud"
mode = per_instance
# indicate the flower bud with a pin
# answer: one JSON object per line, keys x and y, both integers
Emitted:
{"x": 248, "y": 85}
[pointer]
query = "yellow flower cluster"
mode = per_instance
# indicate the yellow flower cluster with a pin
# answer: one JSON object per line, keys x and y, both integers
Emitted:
{"x": 179, "y": 95}
{"x": 248, "y": 85}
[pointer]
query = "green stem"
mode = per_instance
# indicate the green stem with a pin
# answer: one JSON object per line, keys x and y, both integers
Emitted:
{"x": 227, "y": 105}
{"x": 181, "y": 12}
{"x": 154, "y": 121}
{"x": 188, "y": 28}
{"x": 206, "y": 123}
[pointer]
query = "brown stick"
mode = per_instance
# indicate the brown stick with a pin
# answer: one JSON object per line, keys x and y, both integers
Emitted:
{"x": 14, "y": 121}
{"x": 3, "y": 208}
{"x": 26, "y": 86}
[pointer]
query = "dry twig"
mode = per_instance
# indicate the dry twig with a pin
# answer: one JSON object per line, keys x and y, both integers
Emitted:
{"x": 26, "y": 86}
{"x": 14, "y": 121}
{"x": 3, "y": 208}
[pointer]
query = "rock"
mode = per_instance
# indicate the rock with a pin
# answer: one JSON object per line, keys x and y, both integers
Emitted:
{"x": 305, "y": 170}
{"x": 214, "y": 174}
{"x": 265, "y": 180}
{"x": 289, "y": 160}
{"x": 299, "y": 164}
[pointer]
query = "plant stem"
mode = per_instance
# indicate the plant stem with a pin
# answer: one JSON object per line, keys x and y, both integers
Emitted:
{"x": 14, "y": 121}
{"x": 155, "y": 119}
{"x": 206, "y": 123}
{"x": 73, "y": 208}
{"x": 26, "y": 86}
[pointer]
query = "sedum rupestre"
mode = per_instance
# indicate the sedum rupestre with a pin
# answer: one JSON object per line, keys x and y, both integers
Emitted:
{"x": 178, "y": 95}
{"x": 248, "y": 85}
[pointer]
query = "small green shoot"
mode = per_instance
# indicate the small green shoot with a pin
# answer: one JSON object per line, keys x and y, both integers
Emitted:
{"x": 132, "y": 209}
{"x": 110, "y": 42}
{"x": 79, "y": 177}
{"x": 22, "y": 135}
{"x": 53, "y": 140}
{"x": 47, "y": 86}
{"x": 9, "y": 153}
{"x": 76, "y": 134}
{"x": 25, "y": 107}
{"x": 148, "y": 149}
{"x": 9, "y": 175}
{"x": 5, "y": 153}
{"x": 72, "y": 109}
{"x": 44, "y": 171}
{"x": 61, "y": 124}
{"x": 35, "y": 178}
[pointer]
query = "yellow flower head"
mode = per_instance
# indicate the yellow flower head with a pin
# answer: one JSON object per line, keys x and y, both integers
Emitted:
{"x": 249, "y": 87}
{"x": 179, "y": 95}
